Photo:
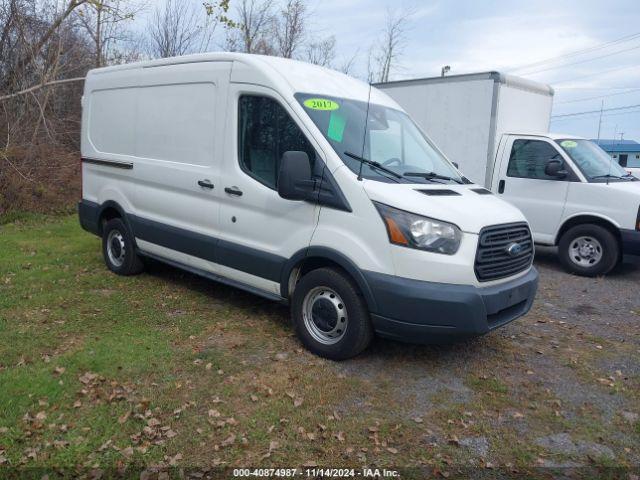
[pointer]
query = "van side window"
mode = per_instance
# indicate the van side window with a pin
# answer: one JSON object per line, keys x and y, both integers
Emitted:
{"x": 265, "y": 132}
{"x": 529, "y": 157}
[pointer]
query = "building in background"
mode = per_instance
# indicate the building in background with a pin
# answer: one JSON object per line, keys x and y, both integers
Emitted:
{"x": 626, "y": 152}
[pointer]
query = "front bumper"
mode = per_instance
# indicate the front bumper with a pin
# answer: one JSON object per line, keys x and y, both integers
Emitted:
{"x": 630, "y": 241}
{"x": 426, "y": 312}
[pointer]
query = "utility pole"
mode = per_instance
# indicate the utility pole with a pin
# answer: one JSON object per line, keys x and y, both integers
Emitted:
{"x": 600, "y": 121}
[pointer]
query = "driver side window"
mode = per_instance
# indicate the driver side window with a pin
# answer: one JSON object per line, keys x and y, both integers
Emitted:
{"x": 529, "y": 158}
{"x": 265, "y": 132}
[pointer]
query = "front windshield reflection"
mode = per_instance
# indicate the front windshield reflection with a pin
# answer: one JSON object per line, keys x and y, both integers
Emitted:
{"x": 389, "y": 137}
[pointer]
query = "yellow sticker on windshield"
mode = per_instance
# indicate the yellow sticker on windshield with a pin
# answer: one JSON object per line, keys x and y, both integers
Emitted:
{"x": 321, "y": 104}
{"x": 568, "y": 144}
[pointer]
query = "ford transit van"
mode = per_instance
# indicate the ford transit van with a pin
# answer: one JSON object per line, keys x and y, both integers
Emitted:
{"x": 304, "y": 186}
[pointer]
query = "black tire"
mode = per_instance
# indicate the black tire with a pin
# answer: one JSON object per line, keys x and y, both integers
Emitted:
{"x": 609, "y": 247}
{"x": 123, "y": 259}
{"x": 322, "y": 284}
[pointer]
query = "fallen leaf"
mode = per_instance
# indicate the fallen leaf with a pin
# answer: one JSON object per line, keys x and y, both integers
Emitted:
{"x": 208, "y": 366}
{"x": 214, "y": 413}
{"x": 392, "y": 450}
{"x": 340, "y": 436}
{"x": 127, "y": 452}
{"x": 297, "y": 402}
{"x": 59, "y": 370}
{"x": 254, "y": 398}
{"x": 228, "y": 441}
{"x": 123, "y": 418}
{"x": 87, "y": 377}
{"x": 418, "y": 419}
{"x": 153, "y": 422}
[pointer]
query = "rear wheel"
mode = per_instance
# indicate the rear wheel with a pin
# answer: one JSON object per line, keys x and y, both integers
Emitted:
{"x": 589, "y": 250}
{"x": 118, "y": 249}
{"x": 330, "y": 316}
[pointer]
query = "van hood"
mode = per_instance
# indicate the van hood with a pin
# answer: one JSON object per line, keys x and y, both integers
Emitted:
{"x": 469, "y": 207}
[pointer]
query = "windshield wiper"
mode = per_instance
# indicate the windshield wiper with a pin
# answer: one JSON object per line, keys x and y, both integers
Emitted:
{"x": 608, "y": 175}
{"x": 373, "y": 164}
{"x": 430, "y": 176}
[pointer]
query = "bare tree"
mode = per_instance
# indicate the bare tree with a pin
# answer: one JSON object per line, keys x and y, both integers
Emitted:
{"x": 105, "y": 22}
{"x": 289, "y": 28}
{"x": 252, "y": 34}
{"x": 173, "y": 29}
{"x": 384, "y": 56}
{"x": 43, "y": 58}
{"x": 321, "y": 52}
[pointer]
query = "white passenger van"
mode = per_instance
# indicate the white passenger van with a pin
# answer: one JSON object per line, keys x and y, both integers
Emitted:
{"x": 302, "y": 185}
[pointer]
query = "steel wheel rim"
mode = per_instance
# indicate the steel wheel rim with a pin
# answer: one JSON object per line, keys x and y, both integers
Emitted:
{"x": 325, "y": 315}
{"x": 116, "y": 250}
{"x": 585, "y": 251}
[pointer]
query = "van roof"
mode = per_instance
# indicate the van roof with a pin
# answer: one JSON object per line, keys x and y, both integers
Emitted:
{"x": 277, "y": 72}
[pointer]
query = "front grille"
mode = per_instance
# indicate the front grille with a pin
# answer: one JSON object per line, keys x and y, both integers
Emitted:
{"x": 493, "y": 260}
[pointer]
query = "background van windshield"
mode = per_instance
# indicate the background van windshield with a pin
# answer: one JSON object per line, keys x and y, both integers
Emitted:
{"x": 392, "y": 139}
{"x": 595, "y": 163}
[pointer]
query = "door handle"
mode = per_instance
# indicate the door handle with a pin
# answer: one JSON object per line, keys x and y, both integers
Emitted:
{"x": 233, "y": 191}
{"x": 501, "y": 186}
{"x": 205, "y": 184}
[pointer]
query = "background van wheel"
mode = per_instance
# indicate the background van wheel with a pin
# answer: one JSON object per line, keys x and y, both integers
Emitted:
{"x": 330, "y": 316}
{"x": 118, "y": 249}
{"x": 589, "y": 250}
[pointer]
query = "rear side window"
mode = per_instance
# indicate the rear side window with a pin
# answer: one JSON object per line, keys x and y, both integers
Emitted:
{"x": 265, "y": 132}
{"x": 529, "y": 157}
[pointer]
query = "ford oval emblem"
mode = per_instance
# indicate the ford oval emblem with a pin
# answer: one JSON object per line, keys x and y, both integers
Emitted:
{"x": 514, "y": 249}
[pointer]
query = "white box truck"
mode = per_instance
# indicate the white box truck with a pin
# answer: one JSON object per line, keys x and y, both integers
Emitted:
{"x": 494, "y": 127}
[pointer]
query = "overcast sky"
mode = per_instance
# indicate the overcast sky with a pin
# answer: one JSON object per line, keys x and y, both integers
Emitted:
{"x": 473, "y": 36}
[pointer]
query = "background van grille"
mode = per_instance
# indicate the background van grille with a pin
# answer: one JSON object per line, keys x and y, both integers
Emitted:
{"x": 493, "y": 260}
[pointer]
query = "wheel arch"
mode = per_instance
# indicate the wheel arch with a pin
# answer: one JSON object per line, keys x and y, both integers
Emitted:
{"x": 583, "y": 219}
{"x": 110, "y": 210}
{"x": 312, "y": 258}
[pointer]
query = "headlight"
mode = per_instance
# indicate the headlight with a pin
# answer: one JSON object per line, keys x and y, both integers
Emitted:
{"x": 415, "y": 231}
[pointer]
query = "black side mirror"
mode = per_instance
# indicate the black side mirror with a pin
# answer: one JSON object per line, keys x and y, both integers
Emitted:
{"x": 455, "y": 164}
{"x": 555, "y": 168}
{"x": 294, "y": 177}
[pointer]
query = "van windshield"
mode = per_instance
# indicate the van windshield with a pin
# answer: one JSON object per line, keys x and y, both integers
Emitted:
{"x": 391, "y": 139}
{"x": 596, "y": 164}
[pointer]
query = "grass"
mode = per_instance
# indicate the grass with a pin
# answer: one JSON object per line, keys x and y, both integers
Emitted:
{"x": 101, "y": 371}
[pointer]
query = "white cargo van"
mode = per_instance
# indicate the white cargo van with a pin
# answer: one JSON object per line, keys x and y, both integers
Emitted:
{"x": 493, "y": 126}
{"x": 302, "y": 185}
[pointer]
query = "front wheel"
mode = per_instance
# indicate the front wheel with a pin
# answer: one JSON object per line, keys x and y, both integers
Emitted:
{"x": 589, "y": 250}
{"x": 330, "y": 316}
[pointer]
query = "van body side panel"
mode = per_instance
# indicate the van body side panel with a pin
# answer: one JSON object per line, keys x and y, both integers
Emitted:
{"x": 179, "y": 123}
{"x": 360, "y": 235}
{"x": 258, "y": 226}
{"x": 107, "y": 138}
